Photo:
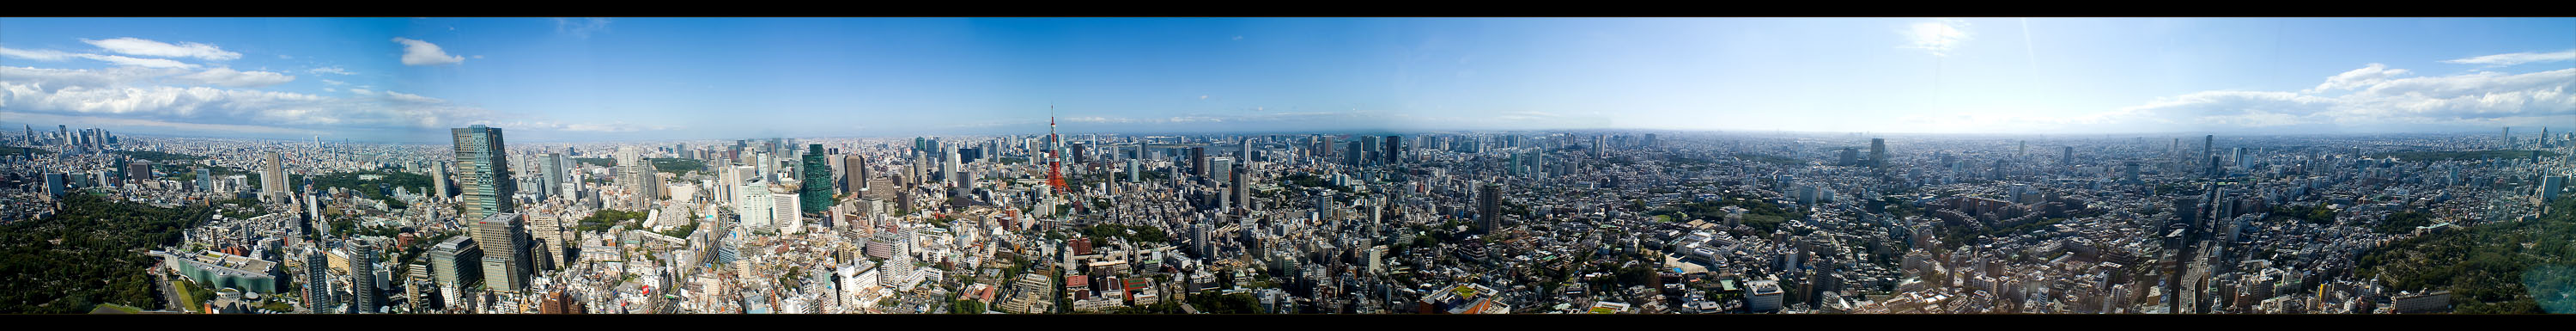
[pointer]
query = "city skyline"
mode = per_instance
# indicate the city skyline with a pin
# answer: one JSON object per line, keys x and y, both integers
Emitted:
{"x": 579, "y": 80}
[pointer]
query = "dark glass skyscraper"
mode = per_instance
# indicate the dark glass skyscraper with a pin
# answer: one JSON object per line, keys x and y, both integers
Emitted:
{"x": 815, "y": 192}
{"x": 483, "y": 172}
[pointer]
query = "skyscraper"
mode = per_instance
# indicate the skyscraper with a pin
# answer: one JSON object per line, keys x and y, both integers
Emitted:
{"x": 754, "y": 205}
{"x": 317, "y": 280}
{"x": 1394, "y": 146}
{"x": 552, "y": 173}
{"x": 815, "y": 192}
{"x": 1877, "y": 152}
{"x": 483, "y": 172}
{"x": 505, "y": 253}
{"x": 1489, "y": 207}
{"x": 636, "y": 173}
{"x": 362, "y": 273}
{"x": 547, "y": 230}
{"x": 272, "y": 184}
{"x": 455, "y": 263}
{"x": 438, "y": 180}
{"x": 854, "y": 174}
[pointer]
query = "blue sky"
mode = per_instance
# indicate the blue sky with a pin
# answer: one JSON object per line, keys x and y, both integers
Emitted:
{"x": 581, "y": 79}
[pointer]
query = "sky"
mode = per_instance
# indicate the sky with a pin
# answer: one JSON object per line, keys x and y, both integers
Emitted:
{"x": 607, "y": 79}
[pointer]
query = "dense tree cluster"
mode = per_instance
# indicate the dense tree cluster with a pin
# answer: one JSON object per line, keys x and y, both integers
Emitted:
{"x": 2499, "y": 267}
{"x": 92, "y": 252}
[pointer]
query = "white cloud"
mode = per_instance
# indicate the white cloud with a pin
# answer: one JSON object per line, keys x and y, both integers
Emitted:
{"x": 231, "y": 78}
{"x": 1938, "y": 36}
{"x": 412, "y": 98}
{"x": 618, "y": 126}
{"x": 335, "y": 70}
{"x": 130, "y": 93}
{"x": 423, "y": 53}
{"x": 54, "y": 79}
{"x": 2366, "y": 76}
{"x": 138, "y": 62}
{"x": 39, "y": 55}
{"x": 334, "y": 82}
{"x": 145, "y": 47}
{"x": 2378, "y": 100}
{"x": 580, "y": 27}
{"x": 2508, "y": 59}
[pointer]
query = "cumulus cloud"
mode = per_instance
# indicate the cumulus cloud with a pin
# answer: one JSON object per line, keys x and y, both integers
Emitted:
{"x": 580, "y": 27}
{"x": 131, "y": 93}
{"x": 1938, "y": 36}
{"x": 138, "y": 62}
{"x": 232, "y": 78}
{"x": 423, "y": 53}
{"x": 2509, "y": 59}
{"x": 39, "y": 55}
{"x": 146, "y": 47}
{"x": 2377, "y": 99}
{"x": 2366, "y": 76}
{"x": 54, "y": 55}
{"x": 53, "y": 79}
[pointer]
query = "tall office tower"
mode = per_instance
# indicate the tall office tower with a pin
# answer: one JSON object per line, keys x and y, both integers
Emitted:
{"x": 1851, "y": 157}
{"x": 1489, "y": 207}
{"x": 815, "y": 192}
{"x": 1877, "y": 152}
{"x": 2069, "y": 157}
{"x": 455, "y": 263}
{"x": 2209, "y": 147}
{"x": 1198, "y": 161}
{"x": 2214, "y": 171}
{"x": 1394, "y": 148}
{"x": 553, "y": 174}
{"x": 1242, "y": 185}
{"x": 755, "y": 205}
{"x": 272, "y": 183}
{"x": 1220, "y": 169}
{"x": 548, "y": 231}
{"x": 729, "y": 183}
{"x": 2505, "y": 137}
{"x": 483, "y": 172}
{"x": 1357, "y": 155}
{"x": 504, "y": 240}
{"x": 63, "y": 134}
{"x": 1134, "y": 173}
{"x": 765, "y": 166}
{"x": 955, "y": 169}
{"x": 2239, "y": 156}
{"x": 637, "y": 175}
{"x": 317, "y": 280}
{"x": 854, "y": 174}
{"x": 2133, "y": 171}
{"x": 362, "y": 273}
{"x": 438, "y": 180}
{"x": 205, "y": 180}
